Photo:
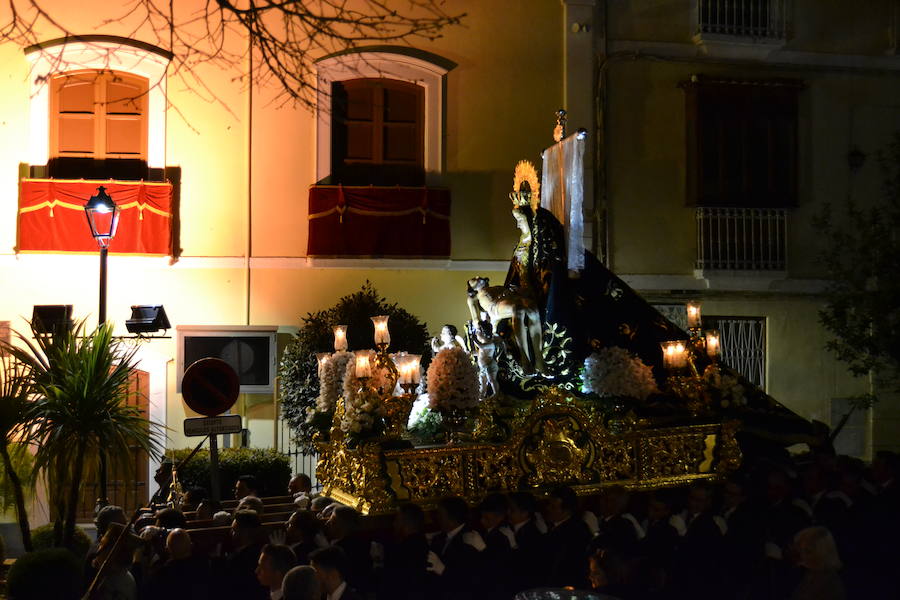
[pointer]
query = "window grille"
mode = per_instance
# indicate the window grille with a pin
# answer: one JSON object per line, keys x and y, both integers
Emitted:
{"x": 744, "y": 18}
{"x": 741, "y": 238}
{"x": 743, "y": 342}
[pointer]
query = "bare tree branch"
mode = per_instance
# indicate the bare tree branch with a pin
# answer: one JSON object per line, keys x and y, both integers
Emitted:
{"x": 285, "y": 36}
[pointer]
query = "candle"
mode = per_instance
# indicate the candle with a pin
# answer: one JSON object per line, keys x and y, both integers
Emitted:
{"x": 363, "y": 369}
{"x": 674, "y": 354}
{"x": 340, "y": 338}
{"x": 415, "y": 372}
{"x": 693, "y": 315}
{"x": 382, "y": 335}
{"x": 713, "y": 343}
{"x": 405, "y": 372}
{"x": 322, "y": 358}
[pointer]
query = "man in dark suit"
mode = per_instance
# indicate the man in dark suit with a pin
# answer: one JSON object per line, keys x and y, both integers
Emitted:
{"x": 567, "y": 540}
{"x": 528, "y": 555}
{"x": 331, "y": 567}
{"x": 496, "y": 558}
{"x": 182, "y": 574}
{"x": 453, "y": 555}
{"x": 343, "y": 530}
{"x": 274, "y": 562}
{"x": 405, "y": 560}
{"x": 236, "y": 573}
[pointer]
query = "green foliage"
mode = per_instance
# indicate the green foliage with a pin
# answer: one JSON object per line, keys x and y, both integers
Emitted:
{"x": 861, "y": 254}
{"x": 53, "y": 573}
{"x": 43, "y": 540}
{"x": 81, "y": 380}
{"x": 297, "y": 372}
{"x": 23, "y": 465}
{"x": 271, "y": 468}
{"x": 427, "y": 427}
{"x": 17, "y": 417}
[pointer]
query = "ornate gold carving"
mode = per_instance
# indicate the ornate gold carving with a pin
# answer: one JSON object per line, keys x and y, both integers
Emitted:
{"x": 556, "y": 441}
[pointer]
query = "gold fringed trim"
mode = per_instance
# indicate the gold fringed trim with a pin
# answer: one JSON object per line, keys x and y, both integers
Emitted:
{"x": 54, "y": 203}
{"x": 373, "y": 213}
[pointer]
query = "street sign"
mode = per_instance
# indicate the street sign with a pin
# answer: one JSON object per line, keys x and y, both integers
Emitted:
{"x": 212, "y": 425}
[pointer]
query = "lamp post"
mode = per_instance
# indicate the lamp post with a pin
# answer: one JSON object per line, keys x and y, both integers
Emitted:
{"x": 103, "y": 219}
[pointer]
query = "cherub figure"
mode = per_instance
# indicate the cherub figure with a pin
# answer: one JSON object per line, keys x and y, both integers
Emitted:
{"x": 488, "y": 347}
{"x": 449, "y": 338}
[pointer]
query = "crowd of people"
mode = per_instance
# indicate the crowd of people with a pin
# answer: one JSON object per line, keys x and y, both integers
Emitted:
{"x": 824, "y": 529}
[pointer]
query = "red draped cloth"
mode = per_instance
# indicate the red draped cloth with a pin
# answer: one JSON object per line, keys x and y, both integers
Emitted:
{"x": 378, "y": 221}
{"x": 52, "y": 219}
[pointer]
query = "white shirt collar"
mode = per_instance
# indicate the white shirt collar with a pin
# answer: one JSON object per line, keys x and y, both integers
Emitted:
{"x": 338, "y": 592}
{"x": 519, "y": 526}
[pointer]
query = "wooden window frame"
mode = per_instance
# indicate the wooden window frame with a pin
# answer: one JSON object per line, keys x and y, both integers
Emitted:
{"x": 378, "y": 169}
{"x": 100, "y": 115}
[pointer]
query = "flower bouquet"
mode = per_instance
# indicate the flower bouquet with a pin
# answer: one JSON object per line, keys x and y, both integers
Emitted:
{"x": 452, "y": 388}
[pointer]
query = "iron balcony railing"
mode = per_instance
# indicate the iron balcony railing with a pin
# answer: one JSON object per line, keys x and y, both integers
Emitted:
{"x": 741, "y": 239}
{"x": 744, "y": 18}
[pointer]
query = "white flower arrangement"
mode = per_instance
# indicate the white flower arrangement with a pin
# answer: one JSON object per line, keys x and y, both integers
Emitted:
{"x": 615, "y": 372}
{"x": 331, "y": 379}
{"x": 730, "y": 389}
{"x": 452, "y": 381}
{"x": 361, "y": 410}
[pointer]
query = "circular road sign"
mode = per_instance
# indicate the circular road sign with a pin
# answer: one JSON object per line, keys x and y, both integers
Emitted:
{"x": 210, "y": 386}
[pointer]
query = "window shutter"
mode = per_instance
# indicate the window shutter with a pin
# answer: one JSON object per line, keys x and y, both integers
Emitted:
{"x": 378, "y": 132}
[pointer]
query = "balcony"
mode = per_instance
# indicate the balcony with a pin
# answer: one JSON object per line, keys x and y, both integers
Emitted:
{"x": 752, "y": 27}
{"x": 380, "y": 222}
{"x": 741, "y": 240}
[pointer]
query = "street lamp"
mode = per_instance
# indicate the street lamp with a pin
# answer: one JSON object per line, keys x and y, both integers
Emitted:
{"x": 103, "y": 219}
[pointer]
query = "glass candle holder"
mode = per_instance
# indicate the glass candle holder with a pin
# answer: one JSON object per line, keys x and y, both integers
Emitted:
{"x": 340, "y": 337}
{"x": 693, "y": 314}
{"x": 674, "y": 354}
{"x": 382, "y": 334}
{"x": 713, "y": 343}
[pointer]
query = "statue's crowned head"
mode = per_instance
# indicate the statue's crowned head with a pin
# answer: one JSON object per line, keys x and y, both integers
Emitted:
{"x": 526, "y": 187}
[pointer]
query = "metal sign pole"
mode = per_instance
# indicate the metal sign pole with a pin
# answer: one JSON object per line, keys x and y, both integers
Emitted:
{"x": 214, "y": 467}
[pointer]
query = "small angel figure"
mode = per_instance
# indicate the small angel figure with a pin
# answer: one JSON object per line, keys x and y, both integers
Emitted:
{"x": 449, "y": 338}
{"x": 487, "y": 348}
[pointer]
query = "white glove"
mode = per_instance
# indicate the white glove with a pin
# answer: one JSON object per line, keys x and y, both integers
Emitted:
{"x": 435, "y": 564}
{"x": 278, "y": 537}
{"x": 473, "y": 538}
{"x": 592, "y": 522}
{"x": 510, "y": 536}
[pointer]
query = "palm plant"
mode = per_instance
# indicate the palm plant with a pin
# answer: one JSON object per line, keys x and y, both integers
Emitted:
{"x": 16, "y": 419}
{"x": 82, "y": 381}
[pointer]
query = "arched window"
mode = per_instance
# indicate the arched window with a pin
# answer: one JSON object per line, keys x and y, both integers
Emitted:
{"x": 380, "y": 105}
{"x": 98, "y": 106}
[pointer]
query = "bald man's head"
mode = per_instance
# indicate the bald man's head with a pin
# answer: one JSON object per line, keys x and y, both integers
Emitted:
{"x": 178, "y": 544}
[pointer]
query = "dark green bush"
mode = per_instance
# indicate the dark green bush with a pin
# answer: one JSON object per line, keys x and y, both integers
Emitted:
{"x": 44, "y": 574}
{"x": 42, "y": 539}
{"x": 271, "y": 468}
{"x": 297, "y": 371}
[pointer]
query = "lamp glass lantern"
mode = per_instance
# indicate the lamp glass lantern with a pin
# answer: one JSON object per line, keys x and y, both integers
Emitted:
{"x": 102, "y": 217}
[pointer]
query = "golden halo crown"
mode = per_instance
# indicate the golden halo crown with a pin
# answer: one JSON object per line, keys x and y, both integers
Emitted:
{"x": 526, "y": 173}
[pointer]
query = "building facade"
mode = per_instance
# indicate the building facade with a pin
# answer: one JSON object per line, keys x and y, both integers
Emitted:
{"x": 689, "y": 105}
